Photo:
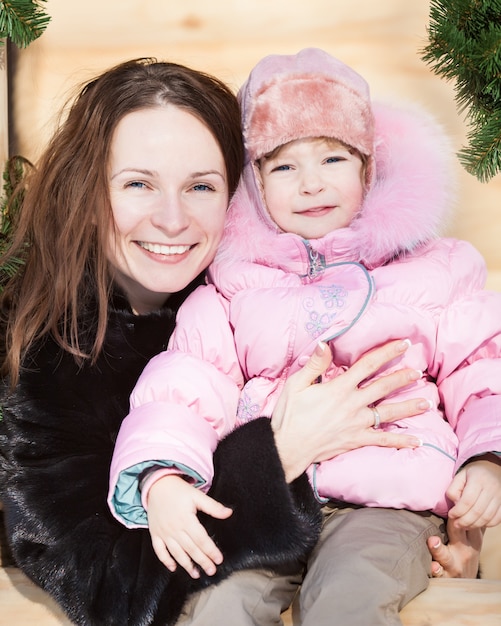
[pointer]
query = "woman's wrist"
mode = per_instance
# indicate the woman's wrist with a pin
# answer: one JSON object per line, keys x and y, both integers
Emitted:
{"x": 293, "y": 462}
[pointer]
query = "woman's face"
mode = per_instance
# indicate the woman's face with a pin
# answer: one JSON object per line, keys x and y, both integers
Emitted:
{"x": 169, "y": 196}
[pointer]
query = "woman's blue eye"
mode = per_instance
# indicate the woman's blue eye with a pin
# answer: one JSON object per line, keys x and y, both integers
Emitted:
{"x": 202, "y": 187}
{"x": 136, "y": 184}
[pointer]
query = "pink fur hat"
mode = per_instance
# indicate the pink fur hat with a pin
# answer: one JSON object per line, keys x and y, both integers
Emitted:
{"x": 309, "y": 94}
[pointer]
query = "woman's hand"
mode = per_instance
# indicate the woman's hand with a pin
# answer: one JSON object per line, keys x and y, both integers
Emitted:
{"x": 177, "y": 535}
{"x": 313, "y": 423}
{"x": 460, "y": 558}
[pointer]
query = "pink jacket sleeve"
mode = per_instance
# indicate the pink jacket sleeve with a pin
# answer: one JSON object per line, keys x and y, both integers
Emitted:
{"x": 469, "y": 379}
{"x": 467, "y": 363}
{"x": 184, "y": 402}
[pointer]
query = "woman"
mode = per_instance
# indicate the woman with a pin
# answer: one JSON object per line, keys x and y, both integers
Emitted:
{"x": 121, "y": 218}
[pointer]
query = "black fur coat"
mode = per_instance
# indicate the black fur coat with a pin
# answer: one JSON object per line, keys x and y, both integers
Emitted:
{"x": 56, "y": 442}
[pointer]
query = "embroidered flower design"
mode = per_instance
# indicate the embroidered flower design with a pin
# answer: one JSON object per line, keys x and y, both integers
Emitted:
{"x": 246, "y": 409}
{"x": 333, "y": 296}
{"x": 318, "y": 321}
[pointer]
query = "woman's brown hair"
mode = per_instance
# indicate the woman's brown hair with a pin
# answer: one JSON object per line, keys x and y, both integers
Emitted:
{"x": 63, "y": 225}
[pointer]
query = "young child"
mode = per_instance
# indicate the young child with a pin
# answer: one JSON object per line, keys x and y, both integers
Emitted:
{"x": 332, "y": 237}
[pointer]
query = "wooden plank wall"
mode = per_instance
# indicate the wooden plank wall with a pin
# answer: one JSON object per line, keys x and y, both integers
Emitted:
{"x": 382, "y": 40}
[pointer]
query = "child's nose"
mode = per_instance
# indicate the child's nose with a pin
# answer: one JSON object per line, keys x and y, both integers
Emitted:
{"x": 311, "y": 183}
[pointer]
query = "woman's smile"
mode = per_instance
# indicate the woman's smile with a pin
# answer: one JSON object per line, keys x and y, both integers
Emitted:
{"x": 164, "y": 249}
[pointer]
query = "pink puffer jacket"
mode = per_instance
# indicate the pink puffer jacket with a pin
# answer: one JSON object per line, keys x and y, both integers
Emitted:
{"x": 274, "y": 295}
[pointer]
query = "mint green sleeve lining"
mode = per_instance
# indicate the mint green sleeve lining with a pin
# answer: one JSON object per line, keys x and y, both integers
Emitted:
{"x": 126, "y": 500}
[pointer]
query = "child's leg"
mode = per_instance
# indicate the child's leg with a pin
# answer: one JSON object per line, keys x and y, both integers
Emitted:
{"x": 246, "y": 598}
{"x": 368, "y": 564}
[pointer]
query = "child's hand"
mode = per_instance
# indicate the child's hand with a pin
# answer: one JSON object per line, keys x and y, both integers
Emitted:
{"x": 177, "y": 535}
{"x": 476, "y": 493}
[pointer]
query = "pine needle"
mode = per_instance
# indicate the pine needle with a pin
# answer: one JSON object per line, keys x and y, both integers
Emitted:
{"x": 22, "y": 21}
{"x": 465, "y": 46}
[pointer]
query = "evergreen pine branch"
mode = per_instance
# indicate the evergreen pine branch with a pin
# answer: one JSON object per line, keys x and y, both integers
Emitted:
{"x": 482, "y": 156}
{"x": 22, "y": 21}
{"x": 465, "y": 46}
{"x": 13, "y": 193}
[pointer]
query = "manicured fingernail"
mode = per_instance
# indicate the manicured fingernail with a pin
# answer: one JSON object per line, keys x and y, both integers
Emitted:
{"x": 416, "y": 442}
{"x": 425, "y": 404}
{"x": 320, "y": 348}
{"x": 415, "y": 374}
{"x": 406, "y": 343}
{"x": 439, "y": 571}
{"x": 436, "y": 545}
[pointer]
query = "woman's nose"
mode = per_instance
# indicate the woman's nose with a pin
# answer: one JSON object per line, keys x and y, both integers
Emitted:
{"x": 170, "y": 215}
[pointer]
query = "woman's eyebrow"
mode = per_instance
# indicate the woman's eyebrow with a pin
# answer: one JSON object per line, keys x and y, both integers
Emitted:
{"x": 208, "y": 172}
{"x": 136, "y": 170}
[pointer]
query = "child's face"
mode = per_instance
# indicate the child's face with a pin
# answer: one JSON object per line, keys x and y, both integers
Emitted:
{"x": 312, "y": 186}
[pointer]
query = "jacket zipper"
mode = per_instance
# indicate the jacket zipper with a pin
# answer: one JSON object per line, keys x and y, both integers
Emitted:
{"x": 316, "y": 261}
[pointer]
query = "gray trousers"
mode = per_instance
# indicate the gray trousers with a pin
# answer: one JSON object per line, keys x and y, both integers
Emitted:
{"x": 368, "y": 564}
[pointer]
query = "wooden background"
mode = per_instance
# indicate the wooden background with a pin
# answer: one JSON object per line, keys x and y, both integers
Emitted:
{"x": 382, "y": 40}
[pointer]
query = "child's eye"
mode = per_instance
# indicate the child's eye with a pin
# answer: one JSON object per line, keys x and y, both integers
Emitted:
{"x": 281, "y": 168}
{"x": 334, "y": 159}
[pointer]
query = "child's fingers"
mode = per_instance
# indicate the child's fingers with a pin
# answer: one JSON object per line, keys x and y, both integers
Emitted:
{"x": 163, "y": 554}
{"x": 182, "y": 555}
{"x": 212, "y": 507}
{"x": 197, "y": 551}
